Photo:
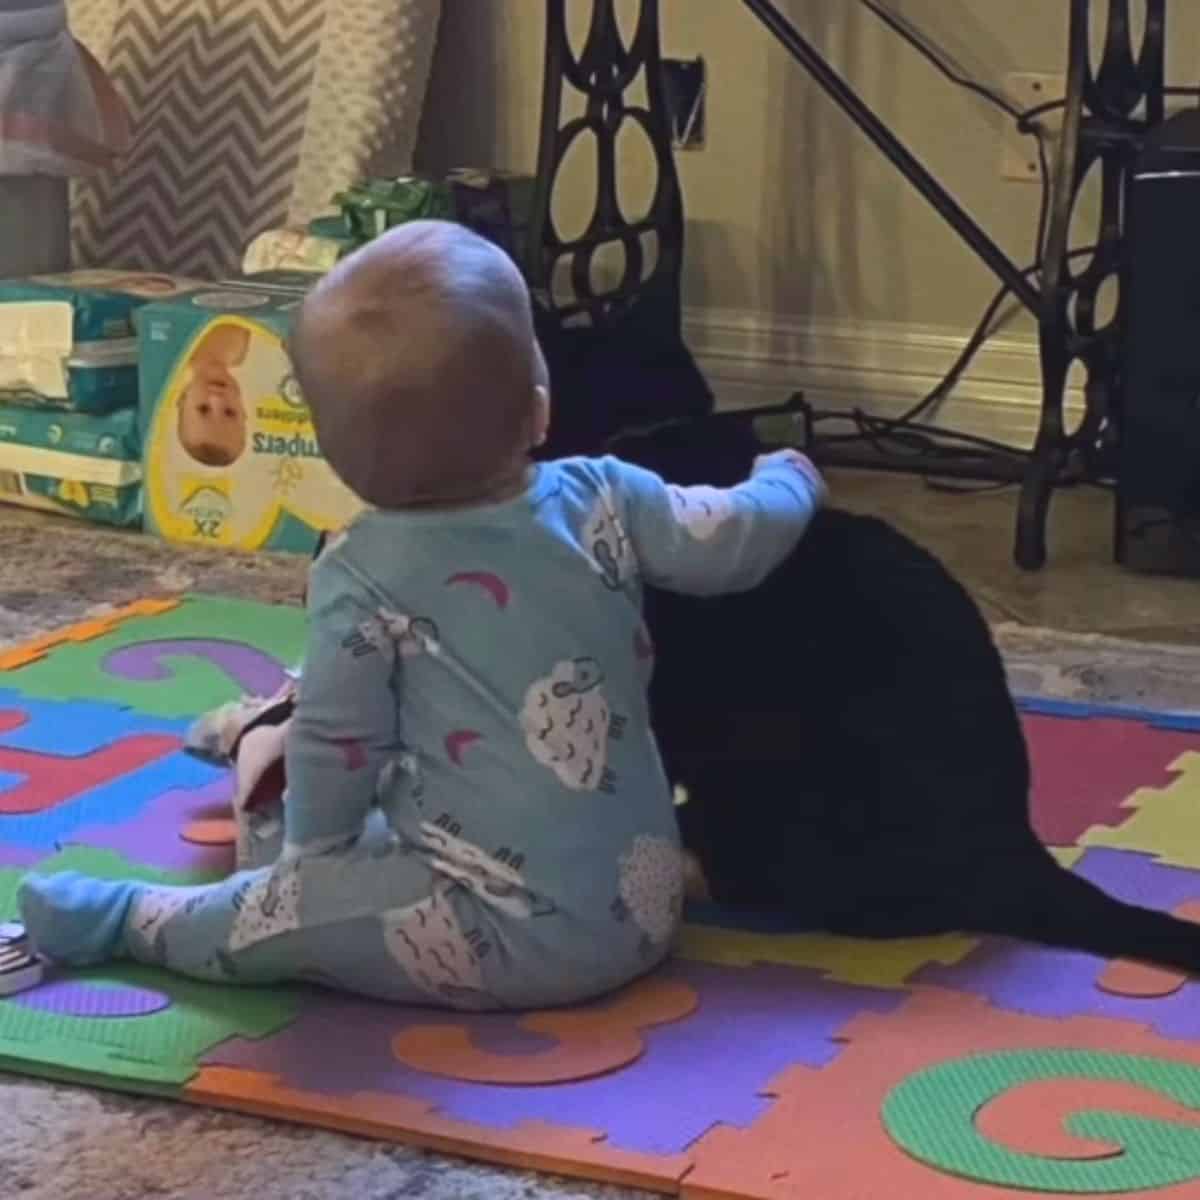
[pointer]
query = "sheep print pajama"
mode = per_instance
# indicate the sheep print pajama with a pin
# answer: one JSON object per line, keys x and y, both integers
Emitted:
{"x": 476, "y": 814}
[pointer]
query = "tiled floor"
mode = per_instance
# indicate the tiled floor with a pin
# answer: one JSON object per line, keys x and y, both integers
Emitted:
{"x": 1081, "y": 589}
{"x": 52, "y": 570}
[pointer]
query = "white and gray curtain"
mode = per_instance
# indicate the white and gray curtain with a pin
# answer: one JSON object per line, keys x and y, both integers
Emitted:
{"x": 247, "y": 115}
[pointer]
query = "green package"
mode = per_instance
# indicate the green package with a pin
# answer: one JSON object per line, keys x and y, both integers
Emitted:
{"x": 73, "y": 464}
{"x": 373, "y": 206}
{"x": 495, "y": 204}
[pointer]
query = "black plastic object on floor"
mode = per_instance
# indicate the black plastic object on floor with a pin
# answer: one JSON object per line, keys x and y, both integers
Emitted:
{"x": 1158, "y": 510}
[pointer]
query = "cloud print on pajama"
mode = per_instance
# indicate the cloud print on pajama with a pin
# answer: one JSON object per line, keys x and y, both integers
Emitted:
{"x": 650, "y": 875}
{"x": 608, "y": 543}
{"x": 427, "y": 938}
{"x": 567, "y": 724}
{"x": 702, "y": 510}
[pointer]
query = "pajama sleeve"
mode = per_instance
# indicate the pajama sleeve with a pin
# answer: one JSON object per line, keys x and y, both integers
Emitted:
{"x": 705, "y": 541}
{"x": 345, "y": 726}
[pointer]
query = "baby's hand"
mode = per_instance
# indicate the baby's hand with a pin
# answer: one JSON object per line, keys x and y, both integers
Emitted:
{"x": 792, "y": 458}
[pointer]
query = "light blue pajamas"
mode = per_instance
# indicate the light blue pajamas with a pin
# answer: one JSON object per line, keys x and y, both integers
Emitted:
{"x": 474, "y": 695}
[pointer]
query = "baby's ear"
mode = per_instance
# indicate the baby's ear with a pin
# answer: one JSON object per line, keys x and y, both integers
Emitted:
{"x": 541, "y": 415}
{"x": 541, "y": 372}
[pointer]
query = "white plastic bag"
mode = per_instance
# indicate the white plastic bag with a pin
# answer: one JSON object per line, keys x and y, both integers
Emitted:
{"x": 59, "y": 113}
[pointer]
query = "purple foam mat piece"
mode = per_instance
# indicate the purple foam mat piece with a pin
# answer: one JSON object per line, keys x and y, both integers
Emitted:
{"x": 79, "y": 998}
{"x": 19, "y": 856}
{"x": 254, "y": 671}
{"x": 153, "y": 837}
{"x": 1059, "y": 983}
{"x": 752, "y": 1023}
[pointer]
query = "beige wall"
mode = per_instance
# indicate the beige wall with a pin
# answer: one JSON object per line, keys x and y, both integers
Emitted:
{"x": 793, "y": 215}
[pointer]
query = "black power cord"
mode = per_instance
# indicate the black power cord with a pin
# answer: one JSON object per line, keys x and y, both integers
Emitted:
{"x": 906, "y": 435}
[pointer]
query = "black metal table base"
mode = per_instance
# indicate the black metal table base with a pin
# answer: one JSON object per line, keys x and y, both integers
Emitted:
{"x": 1108, "y": 108}
{"x": 617, "y": 346}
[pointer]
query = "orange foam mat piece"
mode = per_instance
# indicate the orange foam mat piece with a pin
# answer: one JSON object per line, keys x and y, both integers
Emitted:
{"x": 824, "y": 1139}
{"x": 1033, "y": 1118}
{"x": 589, "y": 1041}
{"x": 1141, "y": 981}
{"x": 531, "y": 1146}
{"x": 212, "y": 831}
{"x": 85, "y": 631}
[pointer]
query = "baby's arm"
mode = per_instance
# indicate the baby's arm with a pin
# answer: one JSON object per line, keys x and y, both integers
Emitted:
{"x": 345, "y": 724}
{"x": 704, "y": 540}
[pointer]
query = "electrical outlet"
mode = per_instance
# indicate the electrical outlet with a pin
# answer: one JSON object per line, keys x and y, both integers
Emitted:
{"x": 1018, "y": 157}
{"x": 685, "y": 85}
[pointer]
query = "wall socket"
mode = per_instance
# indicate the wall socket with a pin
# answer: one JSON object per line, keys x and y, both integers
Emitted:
{"x": 685, "y": 87}
{"x": 1018, "y": 154}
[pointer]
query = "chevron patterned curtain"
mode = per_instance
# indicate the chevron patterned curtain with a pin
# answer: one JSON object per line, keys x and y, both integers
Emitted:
{"x": 247, "y": 115}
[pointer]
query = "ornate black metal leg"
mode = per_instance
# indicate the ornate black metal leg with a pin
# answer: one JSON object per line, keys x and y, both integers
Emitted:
{"x": 605, "y": 74}
{"x": 1107, "y": 111}
{"x": 613, "y": 341}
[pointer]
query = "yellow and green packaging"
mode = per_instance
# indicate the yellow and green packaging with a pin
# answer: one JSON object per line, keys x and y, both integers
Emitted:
{"x": 73, "y": 464}
{"x": 230, "y": 454}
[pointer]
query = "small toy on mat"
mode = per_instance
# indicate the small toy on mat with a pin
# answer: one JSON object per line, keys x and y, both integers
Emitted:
{"x": 19, "y": 969}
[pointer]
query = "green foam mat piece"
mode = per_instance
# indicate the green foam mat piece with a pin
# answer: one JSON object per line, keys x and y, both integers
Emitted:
{"x": 88, "y": 860}
{"x": 73, "y": 671}
{"x": 163, "y": 1047}
{"x": 931, "y": 1116}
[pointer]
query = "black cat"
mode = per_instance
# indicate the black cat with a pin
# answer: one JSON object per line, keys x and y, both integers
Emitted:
{"x": 852, "y": 755}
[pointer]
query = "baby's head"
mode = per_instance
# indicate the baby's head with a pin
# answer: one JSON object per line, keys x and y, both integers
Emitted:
{"x": 418, "y": 359}
{"x": 212, "y": 418}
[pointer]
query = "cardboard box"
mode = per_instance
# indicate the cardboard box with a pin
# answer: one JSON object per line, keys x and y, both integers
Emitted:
{"x": 68, "y": 341}
{"x": 230, "y": 454}
{"x": 73, "y": 464}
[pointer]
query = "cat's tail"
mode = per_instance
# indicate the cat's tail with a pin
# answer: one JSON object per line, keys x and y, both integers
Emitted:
{"x": 1045, "y": 903}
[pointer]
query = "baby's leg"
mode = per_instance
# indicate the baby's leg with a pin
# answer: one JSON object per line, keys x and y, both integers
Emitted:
{"x": 375, "y": 920}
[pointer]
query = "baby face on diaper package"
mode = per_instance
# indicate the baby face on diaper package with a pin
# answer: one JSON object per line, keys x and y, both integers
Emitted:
{"x": 230, "y": 454}
{"x": 68, "y": 341}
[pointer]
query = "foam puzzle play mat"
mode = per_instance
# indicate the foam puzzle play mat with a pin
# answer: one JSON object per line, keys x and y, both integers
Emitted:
{"x": 759, "y": 1064}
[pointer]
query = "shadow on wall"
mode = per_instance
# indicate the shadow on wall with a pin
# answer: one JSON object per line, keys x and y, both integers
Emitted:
{"x": 710, "y": 260}
{"x": 837, "y": 201}
{"x": 35, "y": 225}
{"x": 461, "y": 124}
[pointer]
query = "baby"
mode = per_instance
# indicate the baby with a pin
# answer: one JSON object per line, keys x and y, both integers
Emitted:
{"x": 212, "y": 418}
{"x": 476, "y": 814}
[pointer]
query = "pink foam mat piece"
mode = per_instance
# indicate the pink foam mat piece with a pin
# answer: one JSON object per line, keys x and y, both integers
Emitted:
{"x": 1085, "y": 768}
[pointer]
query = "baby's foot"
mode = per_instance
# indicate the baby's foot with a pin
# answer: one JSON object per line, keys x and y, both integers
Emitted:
{"x": 75, "y": 919}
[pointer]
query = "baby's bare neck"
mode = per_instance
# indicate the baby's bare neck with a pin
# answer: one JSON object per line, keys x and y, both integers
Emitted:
{"x": 496, "y": 491}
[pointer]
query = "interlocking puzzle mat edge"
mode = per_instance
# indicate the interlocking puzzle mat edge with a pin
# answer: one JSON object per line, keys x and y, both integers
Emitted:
{"x": 756, "y": 1162}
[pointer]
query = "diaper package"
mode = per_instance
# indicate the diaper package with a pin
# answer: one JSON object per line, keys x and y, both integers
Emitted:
{"x": 74, "y": 464}
{"x": 68, "y": 341}
{"x": 294, "y": 250}
{"x": 230, "y": 455}
{"x": 496, "y": 204}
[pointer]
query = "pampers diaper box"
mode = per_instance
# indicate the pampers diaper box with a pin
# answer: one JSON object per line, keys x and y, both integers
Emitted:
{"x": 68, "y": 341}
{"x": 230, "y": 454}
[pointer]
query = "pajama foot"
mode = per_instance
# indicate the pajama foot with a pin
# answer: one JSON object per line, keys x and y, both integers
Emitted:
{"x": 75, "y": 919}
